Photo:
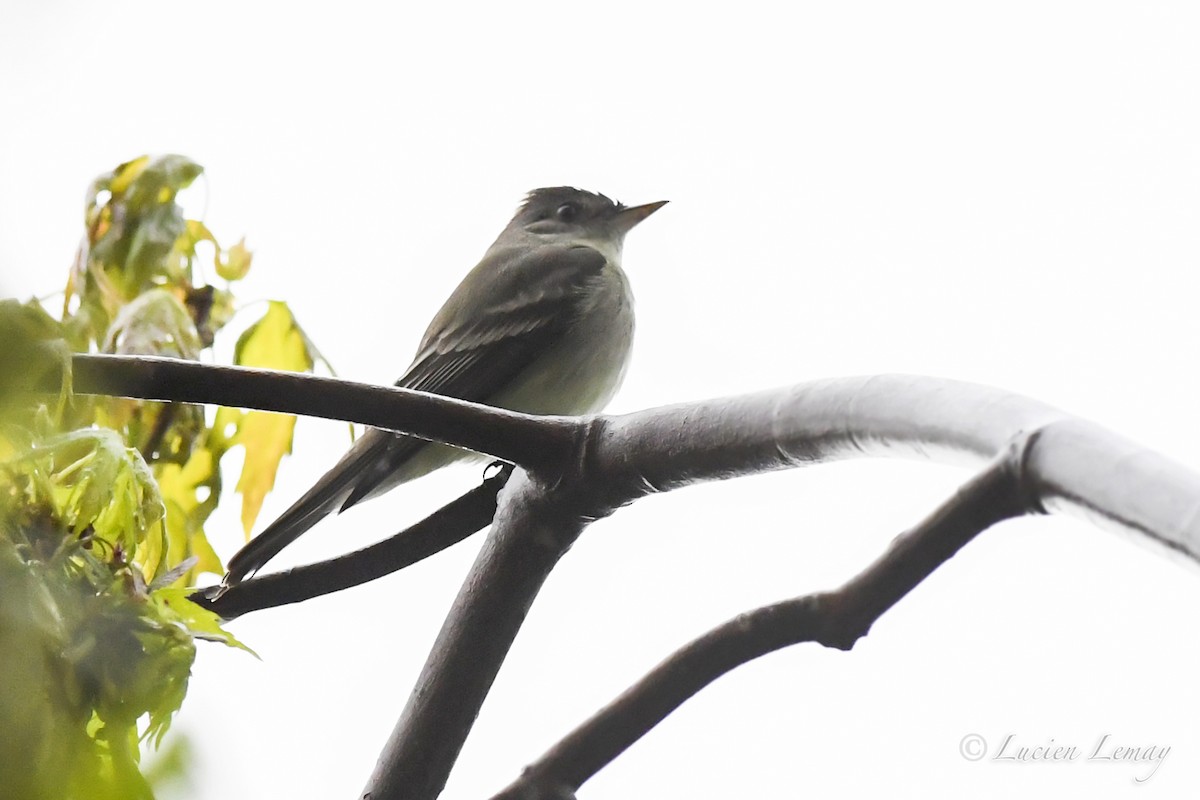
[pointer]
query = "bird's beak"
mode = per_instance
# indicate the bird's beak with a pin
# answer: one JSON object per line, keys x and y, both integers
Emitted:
{"x": 627, "y": 218}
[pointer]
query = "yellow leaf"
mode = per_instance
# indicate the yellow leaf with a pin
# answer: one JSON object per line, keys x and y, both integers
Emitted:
{"x": 150, "y": 554}
{"x": 127, "y": 173}
{"x": 180, "y": 483}
{"x": 235, "y": 263}
{"x": 267, "y": 438}
{"x": 275, "y": 342}
{"x": 197, "y": 231}
{"x": 185, "y": 535}
{"x": 207, "y": 560}
{"x": 177, "y": 532}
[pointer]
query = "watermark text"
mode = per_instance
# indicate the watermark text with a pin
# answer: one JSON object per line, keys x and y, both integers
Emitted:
{"x": 1106, "y": 748}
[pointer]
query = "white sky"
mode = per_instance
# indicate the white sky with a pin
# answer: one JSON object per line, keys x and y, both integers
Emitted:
{"x": 1007, "y": 196}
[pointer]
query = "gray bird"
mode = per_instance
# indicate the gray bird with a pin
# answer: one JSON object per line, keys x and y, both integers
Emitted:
{"x": 543, "y": 324}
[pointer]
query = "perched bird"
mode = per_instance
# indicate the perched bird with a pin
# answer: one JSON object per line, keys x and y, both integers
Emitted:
{"x": 543, "y": 324}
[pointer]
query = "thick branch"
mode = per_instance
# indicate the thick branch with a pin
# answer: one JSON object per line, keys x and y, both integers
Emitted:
{"x": 534, "y": 442}
{"x": 1089, "y": 471}
{"x": 448, "y": 525}
{"x": 528, "y": 536}
{"x": 1085, "y": 470}
{"x": 835, "y": 619}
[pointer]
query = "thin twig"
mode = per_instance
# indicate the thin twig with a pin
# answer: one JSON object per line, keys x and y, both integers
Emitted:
{"x": 447, "y": 526}
{"x": 162, "y": 423}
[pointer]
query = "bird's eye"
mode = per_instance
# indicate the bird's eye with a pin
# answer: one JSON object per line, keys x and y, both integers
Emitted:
{"x": 567, "y": 212}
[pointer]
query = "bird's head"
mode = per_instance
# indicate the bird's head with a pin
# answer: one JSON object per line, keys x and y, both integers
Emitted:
{"x": 576, "y": 214}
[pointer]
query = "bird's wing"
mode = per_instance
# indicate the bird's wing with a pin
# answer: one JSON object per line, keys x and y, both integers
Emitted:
{"x": 522, "y": 300}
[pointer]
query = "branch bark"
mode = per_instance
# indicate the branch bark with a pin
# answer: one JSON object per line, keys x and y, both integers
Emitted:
{"x": 447, "y": 526}
{"x": 538, "y": 442}
{"x": 834, "y": 619}
{"x": 1091, "y": 472}
{"x": 1084, "y": 469}
{"x": 532, "y": 529}
{"x": 577, "y": 470}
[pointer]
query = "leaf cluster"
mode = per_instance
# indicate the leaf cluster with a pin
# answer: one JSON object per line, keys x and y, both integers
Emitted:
{"x": 90, "y": 644}
{"x": 104, "y": 501}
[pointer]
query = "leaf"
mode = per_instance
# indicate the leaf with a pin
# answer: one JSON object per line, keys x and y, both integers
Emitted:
{"x": 32, "y": 348}
{"x": 276, "y": 342}
{"x": 134, "y": 503}
{"x": 207, "y": 559}
{"x": 198, "y": 232}
{"x": 153, "y": 240}
{"x": 124, "y": 175}
{"x": 95, "y": 480}
{"x": 267, "y": 439}
{"x": 186, "y": 513}
{"x": 160, "y": 180}
{"x": 235, "y": 263}
{"x": 96, "y": 631}
{"x": 173, "y": 604}
{"x": 153, "y": 551}
{"x": 134, "y": 223}
{"x": 156, "y": 323}
{"x": 183, "y": 254}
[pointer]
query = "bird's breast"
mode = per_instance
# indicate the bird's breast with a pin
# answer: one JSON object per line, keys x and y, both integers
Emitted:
{"x": 582, "y": 371}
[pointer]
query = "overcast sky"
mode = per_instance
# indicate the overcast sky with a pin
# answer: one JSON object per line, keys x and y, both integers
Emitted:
{"x": 1001, "y": 193}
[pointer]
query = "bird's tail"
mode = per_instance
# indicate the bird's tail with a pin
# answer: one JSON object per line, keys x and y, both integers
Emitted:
{"x": 328, "y": 495}
{"x": 291, "y": 525}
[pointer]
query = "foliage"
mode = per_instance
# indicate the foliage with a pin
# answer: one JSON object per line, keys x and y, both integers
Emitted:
{"x": 134, "y": 289}
{"x": 103, "y": 501}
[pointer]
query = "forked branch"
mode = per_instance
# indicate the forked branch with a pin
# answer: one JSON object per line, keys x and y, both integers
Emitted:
{"x": 578, "y": 469}
{"x": 835, "y": 619}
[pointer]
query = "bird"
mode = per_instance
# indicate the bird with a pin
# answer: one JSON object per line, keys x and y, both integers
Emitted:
{"x": 543, "y": 324}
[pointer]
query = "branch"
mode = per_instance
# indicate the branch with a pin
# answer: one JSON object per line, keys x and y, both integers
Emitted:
{"x": 1084, "y": 470}
{"x": 1077, "y": 467}
{"x": 834, "y": 619}
{"x": 580, "y": 469}
{"x": 532, "y": 441}
{"x": 447, "y": 526}
{"x": 531, "y": 531}
{"x": 1089, "y": 471}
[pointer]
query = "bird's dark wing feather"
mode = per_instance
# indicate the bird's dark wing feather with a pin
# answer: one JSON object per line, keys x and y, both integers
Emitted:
{"x": 483, "y": 341}
{"x": 524, "y": 300}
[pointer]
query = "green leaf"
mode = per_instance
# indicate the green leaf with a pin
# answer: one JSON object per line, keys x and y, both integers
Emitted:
{"x": 173, "y": 605}
{"x": 95, "y": 481}
{"x": 134, "y": 230}
{"x": 159, "y": 180}
{"x": 153, "y": 240}
{"x": 32, "y": 350}
{"x": 97, "y": 636}
{"x": 156, "y": 323}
